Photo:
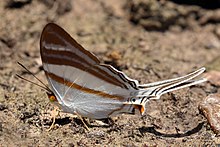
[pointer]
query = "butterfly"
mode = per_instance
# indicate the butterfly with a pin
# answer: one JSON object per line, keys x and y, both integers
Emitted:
{"x": 80, "y": 84}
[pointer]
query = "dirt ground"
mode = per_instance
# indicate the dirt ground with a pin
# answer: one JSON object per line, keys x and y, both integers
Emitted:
{"x": 148, "y": 40}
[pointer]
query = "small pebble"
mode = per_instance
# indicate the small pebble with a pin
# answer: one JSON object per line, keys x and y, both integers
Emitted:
{"x": 211, "y": 109}
{"x": 115, "y": 55}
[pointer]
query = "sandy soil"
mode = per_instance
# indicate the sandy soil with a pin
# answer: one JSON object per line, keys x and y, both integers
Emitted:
{"x": 149, "y": 41}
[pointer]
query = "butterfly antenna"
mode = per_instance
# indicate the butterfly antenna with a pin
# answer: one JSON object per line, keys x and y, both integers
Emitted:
{"x": 45, "y": 87}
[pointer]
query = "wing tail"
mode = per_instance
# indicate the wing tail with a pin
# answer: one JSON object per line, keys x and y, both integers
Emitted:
{"x": 157, "y": 89}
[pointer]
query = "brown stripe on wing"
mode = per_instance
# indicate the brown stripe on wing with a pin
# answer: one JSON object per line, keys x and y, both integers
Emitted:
{"x": 47, "y": 53}
{"x": 84, "y": 89}
{"x": 71, "y": 59}
{"x": 53, "y": 34}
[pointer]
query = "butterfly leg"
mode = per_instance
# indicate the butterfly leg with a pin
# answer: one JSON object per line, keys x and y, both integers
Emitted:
{"x": 54, "y": 114}
{"x": 110, "y": 121}
{"x": 80, "y": 117}
{"x": 105, "y": 122}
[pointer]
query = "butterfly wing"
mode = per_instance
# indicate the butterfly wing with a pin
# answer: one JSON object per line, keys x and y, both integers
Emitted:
{"x": 77, "y": 78}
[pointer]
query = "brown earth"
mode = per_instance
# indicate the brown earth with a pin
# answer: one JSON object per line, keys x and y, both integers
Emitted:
{"x": 148, "y": 40}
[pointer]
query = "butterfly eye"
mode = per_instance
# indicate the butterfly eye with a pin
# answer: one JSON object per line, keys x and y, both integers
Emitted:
{"x": 52, "y": 98}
